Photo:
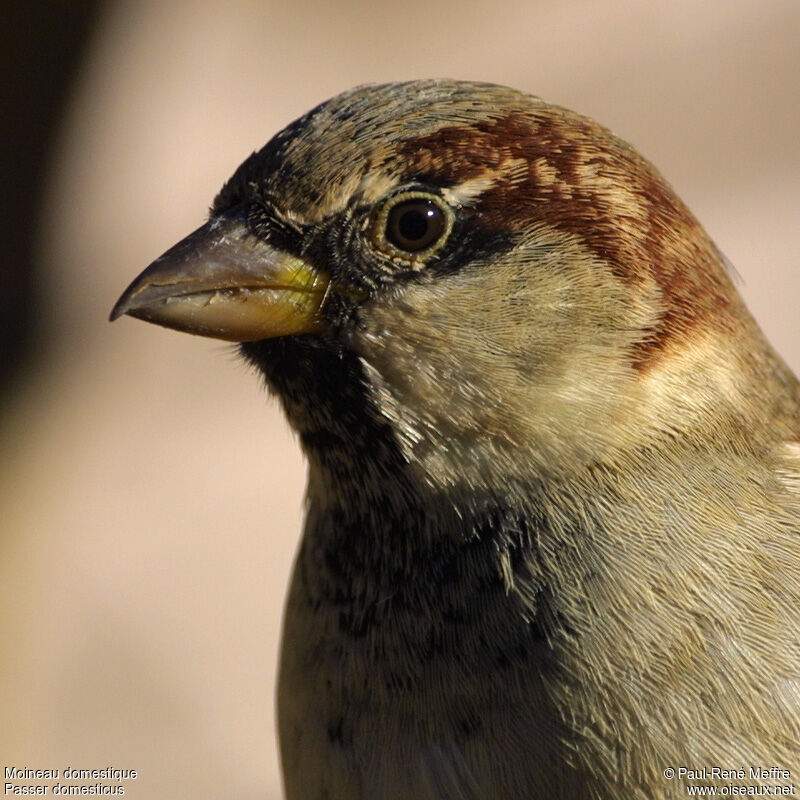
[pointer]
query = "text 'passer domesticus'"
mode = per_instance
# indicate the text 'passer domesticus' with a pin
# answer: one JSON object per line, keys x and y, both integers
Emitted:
{"x": 553, "y": 538}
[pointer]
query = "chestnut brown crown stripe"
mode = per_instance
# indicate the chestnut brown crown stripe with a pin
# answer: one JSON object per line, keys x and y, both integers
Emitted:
{"x": 574, "y": 170}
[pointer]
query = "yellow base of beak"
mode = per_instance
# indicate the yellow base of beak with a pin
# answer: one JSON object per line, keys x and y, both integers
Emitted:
{"x": 221, "y": 281}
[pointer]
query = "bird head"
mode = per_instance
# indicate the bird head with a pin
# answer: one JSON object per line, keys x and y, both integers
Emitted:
{"x": 484, "y": 286}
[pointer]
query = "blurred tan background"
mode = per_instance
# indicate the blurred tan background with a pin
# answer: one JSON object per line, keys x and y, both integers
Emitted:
{"x": 150, "y": 494}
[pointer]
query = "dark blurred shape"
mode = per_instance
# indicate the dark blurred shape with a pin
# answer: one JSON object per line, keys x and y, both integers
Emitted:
{"x": 42, "y": 47}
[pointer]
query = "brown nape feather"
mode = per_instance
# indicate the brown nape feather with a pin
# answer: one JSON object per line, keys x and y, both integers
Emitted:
{"x": 553, "y": 534}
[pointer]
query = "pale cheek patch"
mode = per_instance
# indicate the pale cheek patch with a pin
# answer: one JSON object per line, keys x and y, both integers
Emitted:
{"x": 789, "y": 469}
{"x": 466, "y": 386}
{"x": 792, "y": 450}
{"x": 678, "y": 384}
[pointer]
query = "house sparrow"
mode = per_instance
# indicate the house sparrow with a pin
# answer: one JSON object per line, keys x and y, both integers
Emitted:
{"x": 552, "y": 547}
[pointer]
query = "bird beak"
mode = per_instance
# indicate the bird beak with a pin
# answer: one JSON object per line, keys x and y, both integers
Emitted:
{"x": 224, "y": 282}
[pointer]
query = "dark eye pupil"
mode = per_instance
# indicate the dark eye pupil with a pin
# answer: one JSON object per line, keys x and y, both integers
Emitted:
{"x": 415, "y": 225}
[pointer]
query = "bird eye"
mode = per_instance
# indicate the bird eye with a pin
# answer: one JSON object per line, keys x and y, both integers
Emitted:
{"x": 414, "y": 223}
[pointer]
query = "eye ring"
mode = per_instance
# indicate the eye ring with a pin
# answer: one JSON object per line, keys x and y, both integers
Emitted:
{"x": 413, "y": 224}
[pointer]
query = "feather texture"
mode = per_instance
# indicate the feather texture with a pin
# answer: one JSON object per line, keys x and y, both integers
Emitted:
{"x": 552, "y": 546}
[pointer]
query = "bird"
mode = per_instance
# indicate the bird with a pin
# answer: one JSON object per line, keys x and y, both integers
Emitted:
{"x": 552, "y": 537}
